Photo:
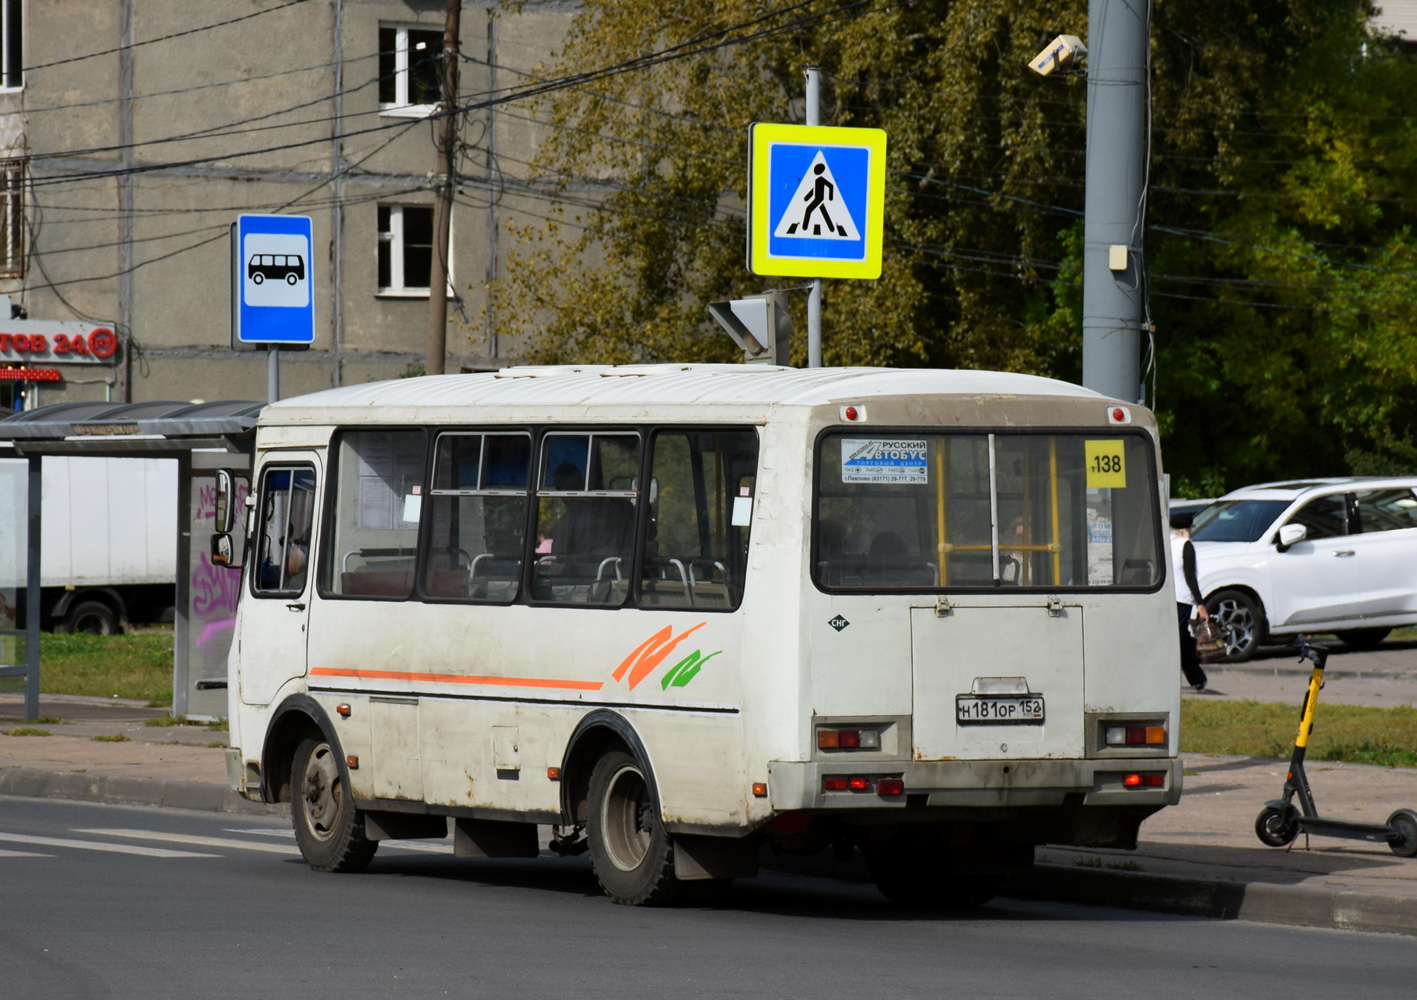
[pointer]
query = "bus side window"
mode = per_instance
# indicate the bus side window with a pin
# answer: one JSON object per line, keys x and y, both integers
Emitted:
{"x": 587, "y": 490}
{"x": 700, "y": 504}
{"x": 376, "y": 481}
{"x": 477, "y": 516}
{"x": 283, "y": 532}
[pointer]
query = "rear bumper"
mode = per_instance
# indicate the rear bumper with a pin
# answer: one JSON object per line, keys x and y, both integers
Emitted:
{"x": 794, "y": 785}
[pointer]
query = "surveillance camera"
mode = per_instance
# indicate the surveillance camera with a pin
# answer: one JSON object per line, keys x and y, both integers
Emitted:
{"x": 1060, "y": 54}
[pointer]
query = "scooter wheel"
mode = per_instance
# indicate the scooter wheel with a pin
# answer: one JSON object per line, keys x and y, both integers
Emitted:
{"x": 1404, "y": 824}
{"x": 1277, "y": 827}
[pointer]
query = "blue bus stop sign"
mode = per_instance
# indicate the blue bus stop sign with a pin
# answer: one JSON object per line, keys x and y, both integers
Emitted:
{"x": 271, "y": 281}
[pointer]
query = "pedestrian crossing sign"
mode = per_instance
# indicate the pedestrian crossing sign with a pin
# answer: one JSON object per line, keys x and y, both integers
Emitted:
{"x": 815, "y": 200}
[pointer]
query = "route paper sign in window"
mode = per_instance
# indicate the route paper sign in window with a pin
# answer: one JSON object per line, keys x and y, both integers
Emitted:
{"x": 884, "y": 460}
{"x": 815, "y": 199}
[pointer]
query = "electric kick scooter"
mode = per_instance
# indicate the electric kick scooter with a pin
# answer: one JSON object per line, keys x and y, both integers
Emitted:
{"x": 1279, "y": 822}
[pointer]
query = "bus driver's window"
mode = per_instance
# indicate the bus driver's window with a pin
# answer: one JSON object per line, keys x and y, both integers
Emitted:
{"x": 283, "y": 533}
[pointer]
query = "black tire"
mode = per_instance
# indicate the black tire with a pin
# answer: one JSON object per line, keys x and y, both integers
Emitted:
{"x": 258, "y": 278}
{"x": 92, "y": 617}
{"x": 924, "y": 881}
{"x": 1241, "y": 622}
{"x": 1363, "y": 638}
{"x": 291, "y": 279}
{"x": 1404, "y": 822}
{"x": 1277, "y": 827}
{"x": 630, "y": 851}
{"x": 328, "y": 828}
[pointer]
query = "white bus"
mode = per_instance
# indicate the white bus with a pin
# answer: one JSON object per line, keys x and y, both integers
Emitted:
{"x": 681, "y": 613}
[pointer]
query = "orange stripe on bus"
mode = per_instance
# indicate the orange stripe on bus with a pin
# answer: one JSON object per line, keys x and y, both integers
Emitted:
{"x": 405, "y": 675}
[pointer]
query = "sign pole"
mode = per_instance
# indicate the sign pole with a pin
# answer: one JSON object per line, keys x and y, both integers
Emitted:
{"x": 272, "y": 373}
{"x": 814, "y": 286}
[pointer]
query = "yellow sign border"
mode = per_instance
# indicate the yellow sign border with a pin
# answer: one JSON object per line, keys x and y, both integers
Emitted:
{"x": 764, "y": 134}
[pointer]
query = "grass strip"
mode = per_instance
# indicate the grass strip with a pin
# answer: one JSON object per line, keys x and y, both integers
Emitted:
{"x": 1355, "y": 734}
{"x": 104, "y": 666}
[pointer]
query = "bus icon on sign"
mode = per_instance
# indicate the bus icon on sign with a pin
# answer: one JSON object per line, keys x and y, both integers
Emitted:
{"x": 275, "y": 270}
{"x": 289, "y": 268}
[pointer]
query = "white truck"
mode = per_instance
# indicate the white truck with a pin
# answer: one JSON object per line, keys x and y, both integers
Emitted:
{"x": 109, "y": 530}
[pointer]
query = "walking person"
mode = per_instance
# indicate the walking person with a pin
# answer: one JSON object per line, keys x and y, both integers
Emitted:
{"x": 1188, "y": 599}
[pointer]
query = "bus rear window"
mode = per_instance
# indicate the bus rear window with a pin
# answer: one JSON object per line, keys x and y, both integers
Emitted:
{"x": 920, "y": 512}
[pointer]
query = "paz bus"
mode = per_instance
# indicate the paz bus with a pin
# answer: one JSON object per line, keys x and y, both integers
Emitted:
{"x": 683, "y": 614}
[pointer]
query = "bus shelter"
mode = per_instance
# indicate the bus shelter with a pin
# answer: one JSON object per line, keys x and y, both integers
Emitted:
{"x": 201, "y": 437}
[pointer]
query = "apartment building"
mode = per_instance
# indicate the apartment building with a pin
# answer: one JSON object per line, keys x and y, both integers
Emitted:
{"x": 134, "y": 132}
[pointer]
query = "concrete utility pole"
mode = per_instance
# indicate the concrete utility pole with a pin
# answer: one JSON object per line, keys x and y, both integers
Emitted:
{"x": 1118, "y": 36}
{"x": 814, "y": 289}
{"x": 443, "y": 205}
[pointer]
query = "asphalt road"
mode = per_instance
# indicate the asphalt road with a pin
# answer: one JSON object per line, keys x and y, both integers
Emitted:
{"x": 116, "y": 902}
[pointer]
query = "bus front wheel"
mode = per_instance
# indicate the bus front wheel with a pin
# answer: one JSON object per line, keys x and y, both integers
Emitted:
{"x": 630, "y": 850}
{"x": 328, "y": 828}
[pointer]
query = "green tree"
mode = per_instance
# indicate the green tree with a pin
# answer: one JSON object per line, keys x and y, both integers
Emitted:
{"x": 1278, "y": 225}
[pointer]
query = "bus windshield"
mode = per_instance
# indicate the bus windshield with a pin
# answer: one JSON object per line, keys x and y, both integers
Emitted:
{"x": 1236, "y": 520}
{"x": 921, "y": 511}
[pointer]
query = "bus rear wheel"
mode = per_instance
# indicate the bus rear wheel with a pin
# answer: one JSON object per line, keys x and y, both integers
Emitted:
{"x": 328, "y": 828}
{"x": 630, "y": 850}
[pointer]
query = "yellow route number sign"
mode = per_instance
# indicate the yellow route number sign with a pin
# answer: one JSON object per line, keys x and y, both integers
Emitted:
{"x": 1106, "y": 464}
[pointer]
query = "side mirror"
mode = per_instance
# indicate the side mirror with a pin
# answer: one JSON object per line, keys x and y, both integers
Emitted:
{"x": 225, "y": 500}
{"x": 1289, "y": 535}
{"x": 224, "y": 551}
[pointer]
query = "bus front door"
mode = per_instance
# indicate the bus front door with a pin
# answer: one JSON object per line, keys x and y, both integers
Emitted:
{"x": 271, "y": 634}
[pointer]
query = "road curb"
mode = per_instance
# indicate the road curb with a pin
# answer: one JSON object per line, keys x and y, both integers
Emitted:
{"x": 125, "y": 790}
{"x": 1220, "y": 899}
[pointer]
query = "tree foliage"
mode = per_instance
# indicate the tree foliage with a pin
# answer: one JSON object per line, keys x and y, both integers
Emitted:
{"x": 1278, "y": 230}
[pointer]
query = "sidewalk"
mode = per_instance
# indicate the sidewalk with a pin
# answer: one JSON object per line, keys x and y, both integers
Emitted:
{"x": 1200, "y": 857}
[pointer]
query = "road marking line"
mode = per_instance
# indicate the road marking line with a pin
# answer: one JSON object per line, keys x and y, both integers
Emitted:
{"x": 94, "y": 845}
{"x": 402, "y": 845}
{"x": 23, "y": 854}
{"x": 409, "y": 845}
{"x": 182, "y": 838}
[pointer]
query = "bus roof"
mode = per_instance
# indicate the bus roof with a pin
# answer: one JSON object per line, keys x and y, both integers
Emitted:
{"x": 749, "y": 391}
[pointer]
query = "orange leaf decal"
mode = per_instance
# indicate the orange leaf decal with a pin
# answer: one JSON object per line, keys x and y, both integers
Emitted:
{"x": 642, "y": 649}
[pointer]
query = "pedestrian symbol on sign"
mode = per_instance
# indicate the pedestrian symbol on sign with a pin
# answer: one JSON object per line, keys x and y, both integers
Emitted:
{"x": 817, "y": 195}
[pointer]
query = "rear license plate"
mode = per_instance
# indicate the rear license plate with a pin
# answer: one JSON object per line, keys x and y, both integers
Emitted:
{"x": 994, "y": 710}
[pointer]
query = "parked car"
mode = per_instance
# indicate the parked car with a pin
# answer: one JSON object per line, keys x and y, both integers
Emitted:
{"x": 1317, "y": 555}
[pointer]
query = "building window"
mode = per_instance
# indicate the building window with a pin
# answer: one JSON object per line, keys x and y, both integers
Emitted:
{"x": 12, "y": 219}
{"x": 409, "y": 70}
{"x": 406, "y": 249}
{"x": 12, "y": 44}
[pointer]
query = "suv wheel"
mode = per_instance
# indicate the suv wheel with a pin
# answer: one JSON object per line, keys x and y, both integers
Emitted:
{"x": 1241, "y": 623}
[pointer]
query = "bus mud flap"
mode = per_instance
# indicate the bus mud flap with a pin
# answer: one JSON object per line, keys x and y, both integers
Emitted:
{"x": 699, "y": 857}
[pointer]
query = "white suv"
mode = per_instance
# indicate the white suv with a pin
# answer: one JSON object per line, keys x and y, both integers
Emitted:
{"x": 1319, "y": 555}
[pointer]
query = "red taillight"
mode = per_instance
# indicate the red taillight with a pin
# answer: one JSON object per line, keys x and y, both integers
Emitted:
{"x": 834, "y": 784}
{"x": 850, "y": 413}
{"x": 859, "y": 784}
{"x": 849, "y": 739}
{"x": 890, "y": 786}
{"x": 1144, "y": 780}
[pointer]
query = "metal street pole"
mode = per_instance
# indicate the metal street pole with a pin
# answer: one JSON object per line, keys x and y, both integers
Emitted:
{"x": 272, "y": 373}
{"x": 443, "y": 202}
{"x": 814, "y": 292}
{"x": 1117, "y": 94}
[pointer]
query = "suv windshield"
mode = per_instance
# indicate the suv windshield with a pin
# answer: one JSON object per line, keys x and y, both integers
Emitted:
{"x": 919, "y": 511}
{"x": 1236, "y": 520}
